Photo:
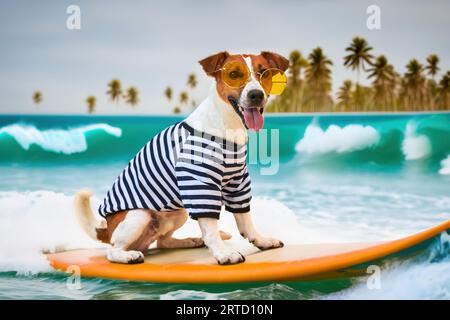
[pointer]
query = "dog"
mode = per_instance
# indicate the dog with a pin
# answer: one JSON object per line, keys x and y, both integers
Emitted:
{"x": 191, "y": 168}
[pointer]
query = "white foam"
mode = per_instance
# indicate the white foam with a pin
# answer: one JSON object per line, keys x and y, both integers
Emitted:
{"x": 33, "y": 222}
{"x": 56, "y": 140}
{"x": 415, "y": 146}
{"x": 190, "y": 295}
{"x": 336, "y": 139}
{"x": 445, "y": 166}
{"x": 414, "y": 280}
{"x": 422, "y": 281}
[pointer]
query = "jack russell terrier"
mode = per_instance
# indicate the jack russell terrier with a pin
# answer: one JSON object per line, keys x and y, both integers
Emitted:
{"x": 193, "y": 167}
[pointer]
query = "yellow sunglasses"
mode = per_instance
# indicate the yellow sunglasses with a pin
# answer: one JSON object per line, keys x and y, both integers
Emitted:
{"x": 236, "y": 74}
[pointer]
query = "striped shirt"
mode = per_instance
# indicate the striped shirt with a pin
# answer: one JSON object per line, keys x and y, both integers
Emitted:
{"x": 182, "y": 167}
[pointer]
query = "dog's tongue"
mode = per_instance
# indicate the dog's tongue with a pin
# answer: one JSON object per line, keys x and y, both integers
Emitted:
{"x": 253, "y": 119}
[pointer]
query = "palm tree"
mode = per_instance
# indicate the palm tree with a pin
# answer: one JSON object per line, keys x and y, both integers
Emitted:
{"x": 132, "y": 96}
{"x": 432, "y": 65}
{"x": 168, "y": 93}
{"x": 114, "y": 90}
{"x": 91, "y": 102}
{"x": 192, "y": 83}
{"x": 184, "y": 97}
{"x": 402, "y": 94}
{"x": 296, "y": 63}
{"x": 444, "y": 92}
{"x": 383, "y": 84}
{"x": 414, "y": 84}
{"x": 296, "y": 83}
{"x": 359, "y": 55}
{"x": 432, "y": 68}
{"x": 318, "y": 76}
{"x": 192, "y": 80}
{"x": 176, "y": 110}
{"x": 345, "y": 96}
{"x": 37, "y": 97}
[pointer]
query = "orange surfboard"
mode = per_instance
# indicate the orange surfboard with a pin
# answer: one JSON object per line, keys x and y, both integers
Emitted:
{"x": 290, "y": 263}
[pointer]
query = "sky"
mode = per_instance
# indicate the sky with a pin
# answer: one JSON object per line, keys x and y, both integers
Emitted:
{"x": 153, "y": 44}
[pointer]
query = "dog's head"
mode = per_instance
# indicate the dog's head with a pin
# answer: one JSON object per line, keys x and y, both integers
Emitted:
{"x": 240, "y": 81}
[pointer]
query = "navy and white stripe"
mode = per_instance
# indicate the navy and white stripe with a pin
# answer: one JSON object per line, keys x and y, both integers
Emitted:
{"x": 183, "y": 168}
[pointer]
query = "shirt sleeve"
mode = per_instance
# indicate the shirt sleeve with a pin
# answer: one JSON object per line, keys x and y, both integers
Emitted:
{"x": 199, "y": 182}
{"x": 237, "y": 193}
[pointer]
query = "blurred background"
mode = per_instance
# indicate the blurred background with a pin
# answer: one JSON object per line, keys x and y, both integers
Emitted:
{"x": 151, "y": 48}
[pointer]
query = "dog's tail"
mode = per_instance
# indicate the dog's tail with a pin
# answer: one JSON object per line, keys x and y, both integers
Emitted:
{"x": 84, "y": 214}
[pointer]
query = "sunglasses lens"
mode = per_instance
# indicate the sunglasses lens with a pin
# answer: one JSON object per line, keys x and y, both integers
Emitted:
{"x": 273, "y": 81}
{"x": 235, "y": 74}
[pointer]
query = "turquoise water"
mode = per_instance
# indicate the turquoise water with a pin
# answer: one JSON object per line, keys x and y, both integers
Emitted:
{"x": 340, "y": 178}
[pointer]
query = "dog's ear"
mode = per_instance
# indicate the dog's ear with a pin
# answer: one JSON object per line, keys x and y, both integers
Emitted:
{"x": 275, "y": 60}
{"x": 213, "y": 63}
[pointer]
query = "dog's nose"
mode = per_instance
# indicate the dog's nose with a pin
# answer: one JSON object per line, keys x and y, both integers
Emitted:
{"x": 255, "y": 96}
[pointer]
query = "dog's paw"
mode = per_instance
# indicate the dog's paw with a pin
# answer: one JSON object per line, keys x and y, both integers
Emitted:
{"x": 135, "y": 257}
{"x": 263, "y": 243}
{"x": 196, "y": 243}
{"x": 127, "y": 257}
{"x": 229, "y": 257}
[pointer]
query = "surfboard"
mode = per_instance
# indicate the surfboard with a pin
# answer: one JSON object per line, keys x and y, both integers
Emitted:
{"x": 304, "y": 262}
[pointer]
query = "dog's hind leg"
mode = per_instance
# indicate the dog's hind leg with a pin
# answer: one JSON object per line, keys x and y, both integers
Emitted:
{"x": 132, "y": 237}
{"x": 171, "y": 243}
{"x": 172, "y": 221}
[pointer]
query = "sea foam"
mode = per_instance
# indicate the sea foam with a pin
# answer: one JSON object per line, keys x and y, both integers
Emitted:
{"x": 34, "y": 222}
{"x": 337, "y": 139}
{"x": 56, "y": 140}
{"x": 445, "y": 166}
{"x": 423, "y": 278}
{"x": 415, "y": 146}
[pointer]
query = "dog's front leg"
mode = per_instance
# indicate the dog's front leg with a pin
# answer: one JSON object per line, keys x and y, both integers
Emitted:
{"x": 247, "y": 230}
{"x": 212, "y": 239}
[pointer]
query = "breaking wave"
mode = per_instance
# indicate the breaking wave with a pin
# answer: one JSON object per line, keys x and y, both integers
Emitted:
{"x": 336, "y": 139}
{"x": 445, "y": 166}
{"x": 55, "y": 140}
{"x": 415, "y": 146}
{"x": 380, "y": 139}
{"x": 424, "y": 277}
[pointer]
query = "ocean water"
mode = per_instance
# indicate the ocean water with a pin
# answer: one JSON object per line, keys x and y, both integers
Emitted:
{"x": 340, "y": 178}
